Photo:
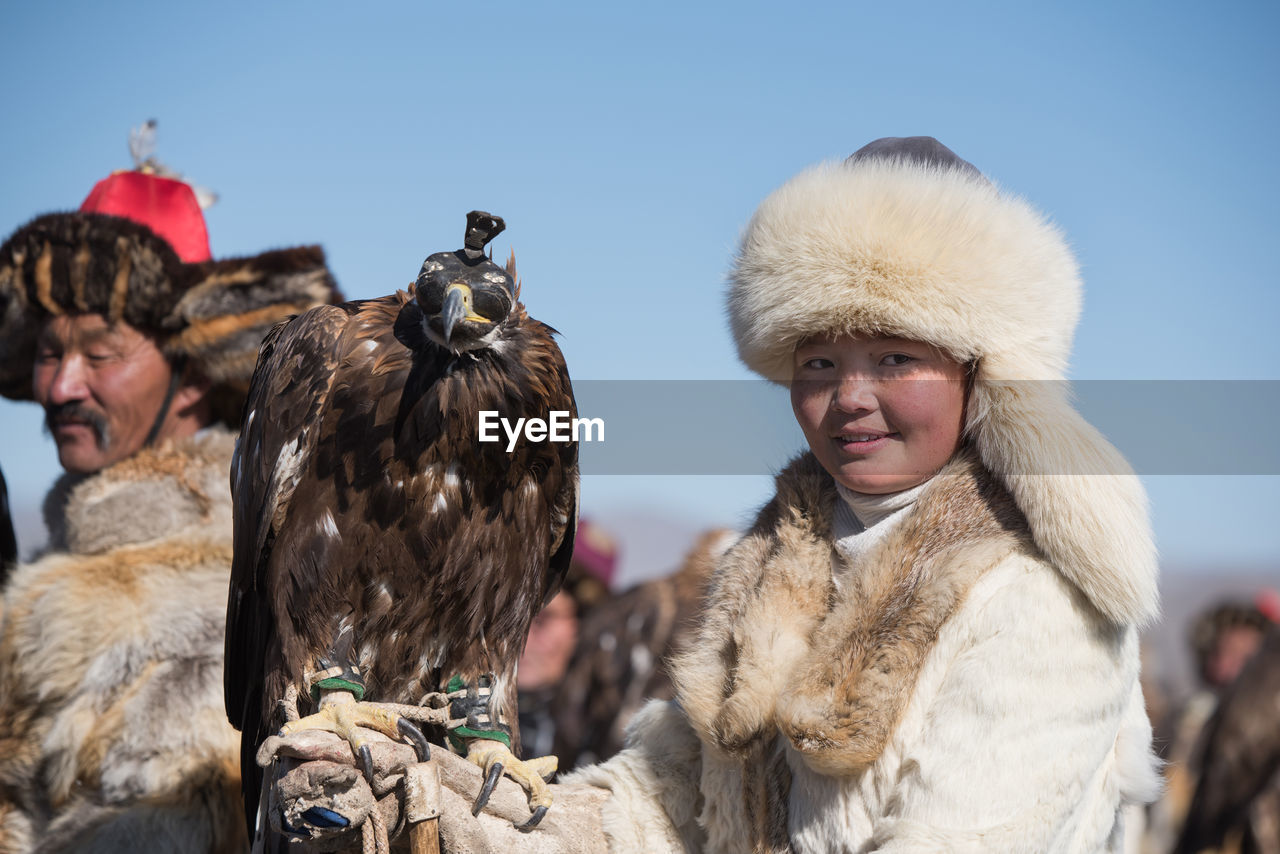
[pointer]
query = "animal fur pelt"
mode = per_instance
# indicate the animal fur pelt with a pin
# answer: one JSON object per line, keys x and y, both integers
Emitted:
{"x": 234, "y": 302}
{"x": 781, "y": 649}
{"x": 112, "y": 733}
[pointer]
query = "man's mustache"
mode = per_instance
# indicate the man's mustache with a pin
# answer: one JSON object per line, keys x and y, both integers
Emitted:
{"x": 56, "y": 413}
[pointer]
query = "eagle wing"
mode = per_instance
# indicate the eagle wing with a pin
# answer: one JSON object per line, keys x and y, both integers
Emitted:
{"x": 558, "y": 567}
{"x": 286, "y": 401}
{"x": 564, "y": 505}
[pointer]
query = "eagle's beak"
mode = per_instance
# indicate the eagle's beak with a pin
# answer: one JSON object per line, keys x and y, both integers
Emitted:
{"x": 454, "y": 309}
{"x": 457, "y": 306}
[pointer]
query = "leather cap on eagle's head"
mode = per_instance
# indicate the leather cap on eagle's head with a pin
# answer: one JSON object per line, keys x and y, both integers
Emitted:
{"x": 464, "y": 297}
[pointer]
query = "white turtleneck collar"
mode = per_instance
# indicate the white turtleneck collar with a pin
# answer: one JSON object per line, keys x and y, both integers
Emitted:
{"x": 870, "y": 510}
{"x": 861, "y": 520}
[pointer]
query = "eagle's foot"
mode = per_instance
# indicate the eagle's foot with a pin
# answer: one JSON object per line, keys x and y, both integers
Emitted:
{"x": 496, "y": 759}
{"x": 342, "y": 714}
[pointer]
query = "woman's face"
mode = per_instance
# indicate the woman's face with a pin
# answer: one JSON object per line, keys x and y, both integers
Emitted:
{"x": 881, "y": 414}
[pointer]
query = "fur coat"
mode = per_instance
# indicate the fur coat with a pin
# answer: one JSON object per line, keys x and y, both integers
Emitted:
{"x": 955, "y": 691}
{"x": 113, "y": 736}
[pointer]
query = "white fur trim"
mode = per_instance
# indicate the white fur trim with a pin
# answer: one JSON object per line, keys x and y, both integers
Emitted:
{"x": 1085, "y": 506}
{"x": 888, "y": 247}
{"x": 654, "y": 785}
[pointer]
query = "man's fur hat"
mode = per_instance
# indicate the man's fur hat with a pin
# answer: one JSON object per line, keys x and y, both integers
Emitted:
{"x": 906, "y": 239}
{"x": 213, "y": 314}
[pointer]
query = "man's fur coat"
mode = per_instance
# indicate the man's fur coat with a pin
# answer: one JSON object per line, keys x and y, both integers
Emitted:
{"x": 112, "y": 731}
{"x": 954, "y": 691}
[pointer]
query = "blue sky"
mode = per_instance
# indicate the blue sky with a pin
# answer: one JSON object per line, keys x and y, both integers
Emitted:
{"x": 627, "y": 145}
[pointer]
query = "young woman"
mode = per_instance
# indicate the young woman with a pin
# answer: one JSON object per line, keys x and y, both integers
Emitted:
{"x": 928, "y": 639}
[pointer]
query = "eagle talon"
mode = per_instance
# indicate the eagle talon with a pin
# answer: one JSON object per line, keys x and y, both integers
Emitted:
{"x": 490, "y": 781}
{"x": 366, "y": 763}
{"x": 342, "y": 714}
{"x": 496, "y": 758}
{"x": 415, "y": 736}
{"x": 533, "y": 821}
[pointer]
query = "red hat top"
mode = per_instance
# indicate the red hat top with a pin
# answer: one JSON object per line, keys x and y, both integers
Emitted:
{"x": 1268, "y": 602}
{"x": 167, "y": 207}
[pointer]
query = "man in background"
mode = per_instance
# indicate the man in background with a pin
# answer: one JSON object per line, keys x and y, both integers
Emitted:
{"x": 551, "y": 702}
{"x": 139, "y": 347}
{"x": 1223, "y": 639}
{"x": 1236, "y": 806}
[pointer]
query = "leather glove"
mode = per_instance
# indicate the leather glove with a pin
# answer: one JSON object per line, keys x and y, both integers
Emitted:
{"x": 319, "y": 794}
{"x": 318, "y": 787}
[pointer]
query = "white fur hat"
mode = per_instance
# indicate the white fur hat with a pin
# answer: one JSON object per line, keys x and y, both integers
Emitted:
{"x": 905, "y": 238}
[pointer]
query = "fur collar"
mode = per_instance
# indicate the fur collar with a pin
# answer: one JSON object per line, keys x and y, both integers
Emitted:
{"x": 156, "y": 493}
{"x": 781, "y": 649}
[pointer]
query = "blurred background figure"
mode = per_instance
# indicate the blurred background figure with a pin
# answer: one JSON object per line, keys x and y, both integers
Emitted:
{"x": 8, "y": 542}
{"x": 617, "y": 661}
{"x": 1226, "y": 638}
{"x": 1223, "y": 639}
{"x": 1236, "y": 806}
{"x": 553, "y": 642}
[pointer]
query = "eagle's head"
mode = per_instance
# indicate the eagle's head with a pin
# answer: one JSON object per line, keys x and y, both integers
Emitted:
{"x": 465, "y": 297}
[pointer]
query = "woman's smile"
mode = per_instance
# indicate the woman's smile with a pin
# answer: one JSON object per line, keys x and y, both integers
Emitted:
{"x": 862, "y": 442}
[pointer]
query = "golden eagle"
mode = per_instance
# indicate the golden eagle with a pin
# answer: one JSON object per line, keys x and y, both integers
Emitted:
{"x": 383, "y": 552}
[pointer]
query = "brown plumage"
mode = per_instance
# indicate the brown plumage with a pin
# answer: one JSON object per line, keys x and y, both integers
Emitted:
{"x": 364, "y": 500}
